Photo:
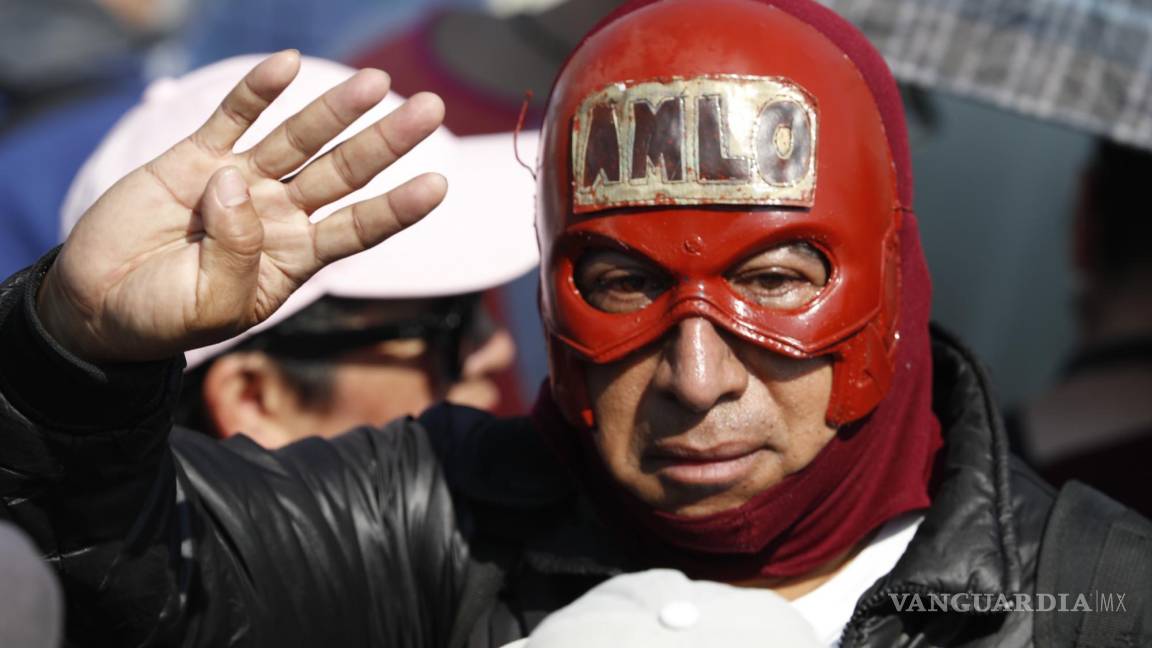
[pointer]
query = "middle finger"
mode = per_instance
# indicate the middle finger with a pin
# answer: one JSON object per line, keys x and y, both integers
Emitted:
{"x": 299, "y": 137}
{"x": 356, "y": 161}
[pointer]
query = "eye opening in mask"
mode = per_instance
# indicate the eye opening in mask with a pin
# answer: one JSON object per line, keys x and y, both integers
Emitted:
{"x": 615, "y": 281}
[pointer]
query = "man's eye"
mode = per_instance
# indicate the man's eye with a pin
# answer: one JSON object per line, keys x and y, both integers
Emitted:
{"x": 775, "y": 283}
{"x": 776, "y": 288}
{"x": 615, "y": 282}
{"x": 623, "y": 284}
{"x": 784, "y": 277}
{"x": 622, "y": 291}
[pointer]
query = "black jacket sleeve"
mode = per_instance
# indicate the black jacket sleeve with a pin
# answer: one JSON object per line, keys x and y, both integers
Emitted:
{"x": 166, "y": 537}
{"x": 85, "y": 470}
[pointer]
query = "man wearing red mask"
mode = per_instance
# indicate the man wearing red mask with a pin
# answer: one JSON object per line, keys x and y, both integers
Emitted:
{"x": 743, "y": 387}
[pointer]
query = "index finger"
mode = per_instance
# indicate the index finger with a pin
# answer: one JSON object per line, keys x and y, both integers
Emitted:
{"x": 246, "y": 101}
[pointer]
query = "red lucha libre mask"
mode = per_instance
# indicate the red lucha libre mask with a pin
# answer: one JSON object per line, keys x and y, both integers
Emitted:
{"x": 699, "y": 133}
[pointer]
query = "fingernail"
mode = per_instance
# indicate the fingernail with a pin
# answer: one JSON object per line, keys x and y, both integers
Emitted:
{"x": 232, "y": 190}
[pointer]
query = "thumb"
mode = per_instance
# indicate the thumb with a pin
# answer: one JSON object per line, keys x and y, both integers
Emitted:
{"x": 230, "y": 253}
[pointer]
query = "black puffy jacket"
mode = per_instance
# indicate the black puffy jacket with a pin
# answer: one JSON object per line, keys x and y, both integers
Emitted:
{"x": 454, "y": 529}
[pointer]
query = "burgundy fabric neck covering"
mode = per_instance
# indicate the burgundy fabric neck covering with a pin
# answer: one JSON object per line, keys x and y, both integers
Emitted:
{"x": 871, "y": 472}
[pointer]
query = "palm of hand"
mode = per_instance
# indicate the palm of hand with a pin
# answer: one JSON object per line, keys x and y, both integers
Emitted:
{"x": 203, "y": 243}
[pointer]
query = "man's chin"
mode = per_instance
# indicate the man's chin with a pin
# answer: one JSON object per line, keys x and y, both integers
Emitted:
{"x": 700, "y": 500}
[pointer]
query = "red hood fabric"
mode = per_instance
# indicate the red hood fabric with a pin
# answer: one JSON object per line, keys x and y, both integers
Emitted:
{"x": 871, "y": 472}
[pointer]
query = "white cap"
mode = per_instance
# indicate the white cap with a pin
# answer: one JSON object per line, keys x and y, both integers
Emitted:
{"x": 480, "y": 237}
{"x": 663, "y": 608}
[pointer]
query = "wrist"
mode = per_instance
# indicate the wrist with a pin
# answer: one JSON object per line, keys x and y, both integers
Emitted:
{"x": 39, "y": 373}
{"x": 55, "y": 317}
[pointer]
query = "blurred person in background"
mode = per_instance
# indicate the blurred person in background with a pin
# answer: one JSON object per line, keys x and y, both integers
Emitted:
{"x": 375, "y": 337}
{"x": 1095, "y": 425}
{"x": 344, "y": 362}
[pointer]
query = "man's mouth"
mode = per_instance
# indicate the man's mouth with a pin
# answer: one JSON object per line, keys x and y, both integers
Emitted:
{"x": 716, "y": 466}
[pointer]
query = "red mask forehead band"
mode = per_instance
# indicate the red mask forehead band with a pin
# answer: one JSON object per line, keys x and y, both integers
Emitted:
{"x": 705, "y": 140}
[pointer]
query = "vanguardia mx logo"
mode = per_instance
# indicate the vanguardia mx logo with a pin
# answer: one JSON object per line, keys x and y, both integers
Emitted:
{"x": 1094, "y": 602}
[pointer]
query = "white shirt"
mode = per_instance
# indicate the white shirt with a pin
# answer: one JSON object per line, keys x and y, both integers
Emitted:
{"x": 829, "y": 607}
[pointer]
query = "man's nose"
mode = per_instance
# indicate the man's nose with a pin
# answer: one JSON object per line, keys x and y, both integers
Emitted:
{"x": 698, "y": 366}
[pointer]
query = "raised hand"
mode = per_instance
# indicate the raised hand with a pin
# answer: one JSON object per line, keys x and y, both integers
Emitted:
{"x": 202, "y": 243}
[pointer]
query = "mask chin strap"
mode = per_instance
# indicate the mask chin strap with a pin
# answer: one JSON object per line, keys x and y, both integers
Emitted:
{"x": 860, "y": 375}
{"x": 864, "y": 366}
